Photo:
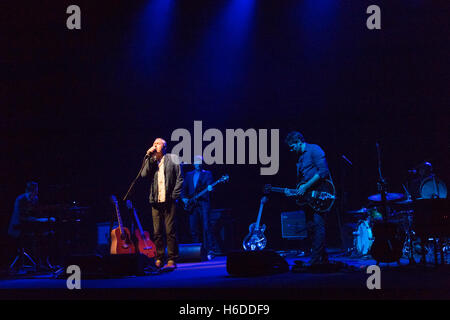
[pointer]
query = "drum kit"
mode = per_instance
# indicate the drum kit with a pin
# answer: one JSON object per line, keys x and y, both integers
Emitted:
{"x": 400, "y": 211}
{"x": 363, "y": 237}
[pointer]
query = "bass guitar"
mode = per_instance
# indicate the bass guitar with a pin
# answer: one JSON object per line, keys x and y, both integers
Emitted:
{"x": 193, "y": 200}
{"x": 120, "y": 237}
{"x": 321, "y": 197}
{"x": 145, "y": 245}
{"x": 256, "y": 240}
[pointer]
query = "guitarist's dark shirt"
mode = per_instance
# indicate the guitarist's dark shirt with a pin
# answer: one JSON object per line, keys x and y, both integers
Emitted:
{"x": 205, "y": 178}
{"x": 310, "y": 162}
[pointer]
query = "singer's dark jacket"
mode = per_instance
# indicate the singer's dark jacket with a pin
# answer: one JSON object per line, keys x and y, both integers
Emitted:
{"x": 172, "y": 173}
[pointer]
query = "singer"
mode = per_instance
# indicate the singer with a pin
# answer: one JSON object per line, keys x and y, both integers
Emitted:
{"x": 166, "y": 181}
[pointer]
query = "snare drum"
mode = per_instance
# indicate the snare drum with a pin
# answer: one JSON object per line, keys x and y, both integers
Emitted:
{"x": 363, "y": 237}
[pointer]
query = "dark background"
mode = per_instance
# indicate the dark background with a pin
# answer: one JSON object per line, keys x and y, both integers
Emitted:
{"x": 81, "y": 107}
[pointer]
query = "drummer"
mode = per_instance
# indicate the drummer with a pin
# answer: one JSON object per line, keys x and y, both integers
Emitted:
{"x": 22, "y": 226}
{"x": 24, "y": 207}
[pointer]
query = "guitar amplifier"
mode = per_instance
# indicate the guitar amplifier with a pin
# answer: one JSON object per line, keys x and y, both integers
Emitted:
{"x": 255, "y": 263}
{"x": 293, "y": 225}
{"x": 104, "y": 237}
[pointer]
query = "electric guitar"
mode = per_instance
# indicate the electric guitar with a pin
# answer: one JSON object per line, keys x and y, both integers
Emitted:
{"x": 256, "y": 240}
{"x": 193, "y": 200}
{"x": 145, "y": 245}
{"x": 120, "y": 237}
{"x": 321, "y": 197}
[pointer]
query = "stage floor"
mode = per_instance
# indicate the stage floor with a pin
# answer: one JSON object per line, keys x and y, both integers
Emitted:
{"x": 209, "y": 280}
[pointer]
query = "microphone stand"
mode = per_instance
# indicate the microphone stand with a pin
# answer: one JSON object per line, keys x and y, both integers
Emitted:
{"x": 135, "y": 179}
{"x": 382, "y": 186}
{"x": 387, "y": 246}
{"x": 343, "y": 201}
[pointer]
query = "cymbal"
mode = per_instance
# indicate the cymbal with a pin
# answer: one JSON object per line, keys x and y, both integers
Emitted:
{"x": 362, "y": 210}
{"x": 389, "y": 197}
{"x": 407, "y": 201}
{"x": 78, "y": 208}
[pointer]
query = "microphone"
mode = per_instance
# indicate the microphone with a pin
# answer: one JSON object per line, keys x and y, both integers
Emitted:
{"x": 150, "y": 154}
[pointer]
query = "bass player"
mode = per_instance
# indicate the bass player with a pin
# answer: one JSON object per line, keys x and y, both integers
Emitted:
{"x": 199, "y": 221}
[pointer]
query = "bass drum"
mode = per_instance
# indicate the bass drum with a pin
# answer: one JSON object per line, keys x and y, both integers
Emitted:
{"x": 363, "y": 238}
{"x": 388, "y": 242}
{"x": 433, "y": 187}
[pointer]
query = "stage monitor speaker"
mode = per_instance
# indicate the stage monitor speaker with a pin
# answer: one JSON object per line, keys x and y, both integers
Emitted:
{"x": 119, "y": 265}
{"x": 191, "y": 252}
{"x": 293, "y": 225}
{"x": 255, "y": 263}
{"x": 91, "y": 265}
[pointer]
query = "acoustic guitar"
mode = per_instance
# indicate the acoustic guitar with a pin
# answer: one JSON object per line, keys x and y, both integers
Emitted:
{"x": 256, "y": 240}
{"x": 145, "y": 245}
{"x": 120, "y": 237}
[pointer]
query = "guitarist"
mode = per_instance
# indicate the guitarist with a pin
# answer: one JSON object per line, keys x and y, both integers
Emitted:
{"x": 311, "y": 169}
{"x": 195, "y": 181}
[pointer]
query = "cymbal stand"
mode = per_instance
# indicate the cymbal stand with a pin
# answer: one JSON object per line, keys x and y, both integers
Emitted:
{"x": 409, "y": 232}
